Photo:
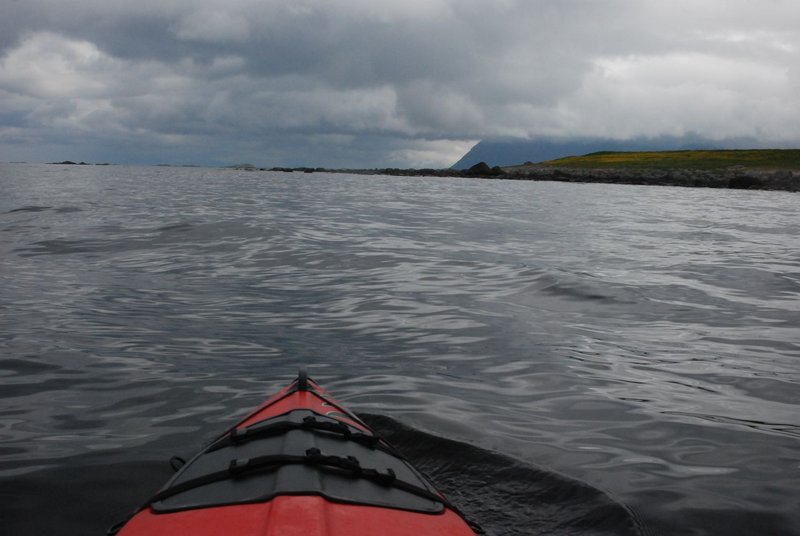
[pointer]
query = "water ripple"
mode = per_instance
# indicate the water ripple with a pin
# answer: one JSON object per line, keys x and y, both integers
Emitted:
{"x": 641, "y": 340}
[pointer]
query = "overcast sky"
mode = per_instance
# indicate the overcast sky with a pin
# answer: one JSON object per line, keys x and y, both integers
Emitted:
{"x": 401, "y": 83}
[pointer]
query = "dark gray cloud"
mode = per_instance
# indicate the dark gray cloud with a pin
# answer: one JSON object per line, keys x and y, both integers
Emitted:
{"x": 397, "y": 82}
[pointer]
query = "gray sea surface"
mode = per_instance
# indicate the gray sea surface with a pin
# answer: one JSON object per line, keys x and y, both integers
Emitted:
{"x": 560, "y": 358}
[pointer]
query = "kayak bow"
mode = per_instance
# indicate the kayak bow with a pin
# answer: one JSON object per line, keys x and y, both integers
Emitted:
{"x": 298, "y": 464}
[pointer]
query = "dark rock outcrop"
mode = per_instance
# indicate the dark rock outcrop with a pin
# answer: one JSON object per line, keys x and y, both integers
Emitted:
{"x": 482, "y": 169}
{"x": 745, "y": 182}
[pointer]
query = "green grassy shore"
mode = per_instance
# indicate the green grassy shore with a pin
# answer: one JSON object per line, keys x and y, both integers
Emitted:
{"x": 755, "y": 169}
{"x": 757, "y": 159}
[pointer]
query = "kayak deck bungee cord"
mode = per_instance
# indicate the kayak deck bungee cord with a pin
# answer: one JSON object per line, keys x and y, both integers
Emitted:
{"x": 298, "y": 464}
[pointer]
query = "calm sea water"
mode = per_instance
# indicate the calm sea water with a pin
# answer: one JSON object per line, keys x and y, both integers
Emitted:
{"x": 562, "y": 358}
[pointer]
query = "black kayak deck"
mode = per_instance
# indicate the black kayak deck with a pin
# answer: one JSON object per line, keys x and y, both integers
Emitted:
{"x": 298, "y": 453}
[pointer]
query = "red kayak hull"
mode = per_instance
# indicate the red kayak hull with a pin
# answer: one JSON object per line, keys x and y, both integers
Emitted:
{"x": 292, "y": 514}
{"x": 301, "y": 516}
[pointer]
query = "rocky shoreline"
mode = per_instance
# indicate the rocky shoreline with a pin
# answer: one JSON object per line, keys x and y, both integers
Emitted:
{"x": 737, "y": 178}
{"x": 734, "y": 177}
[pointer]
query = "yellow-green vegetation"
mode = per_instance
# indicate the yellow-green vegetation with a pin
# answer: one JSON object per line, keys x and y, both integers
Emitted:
{"x": 714, "y": 159}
